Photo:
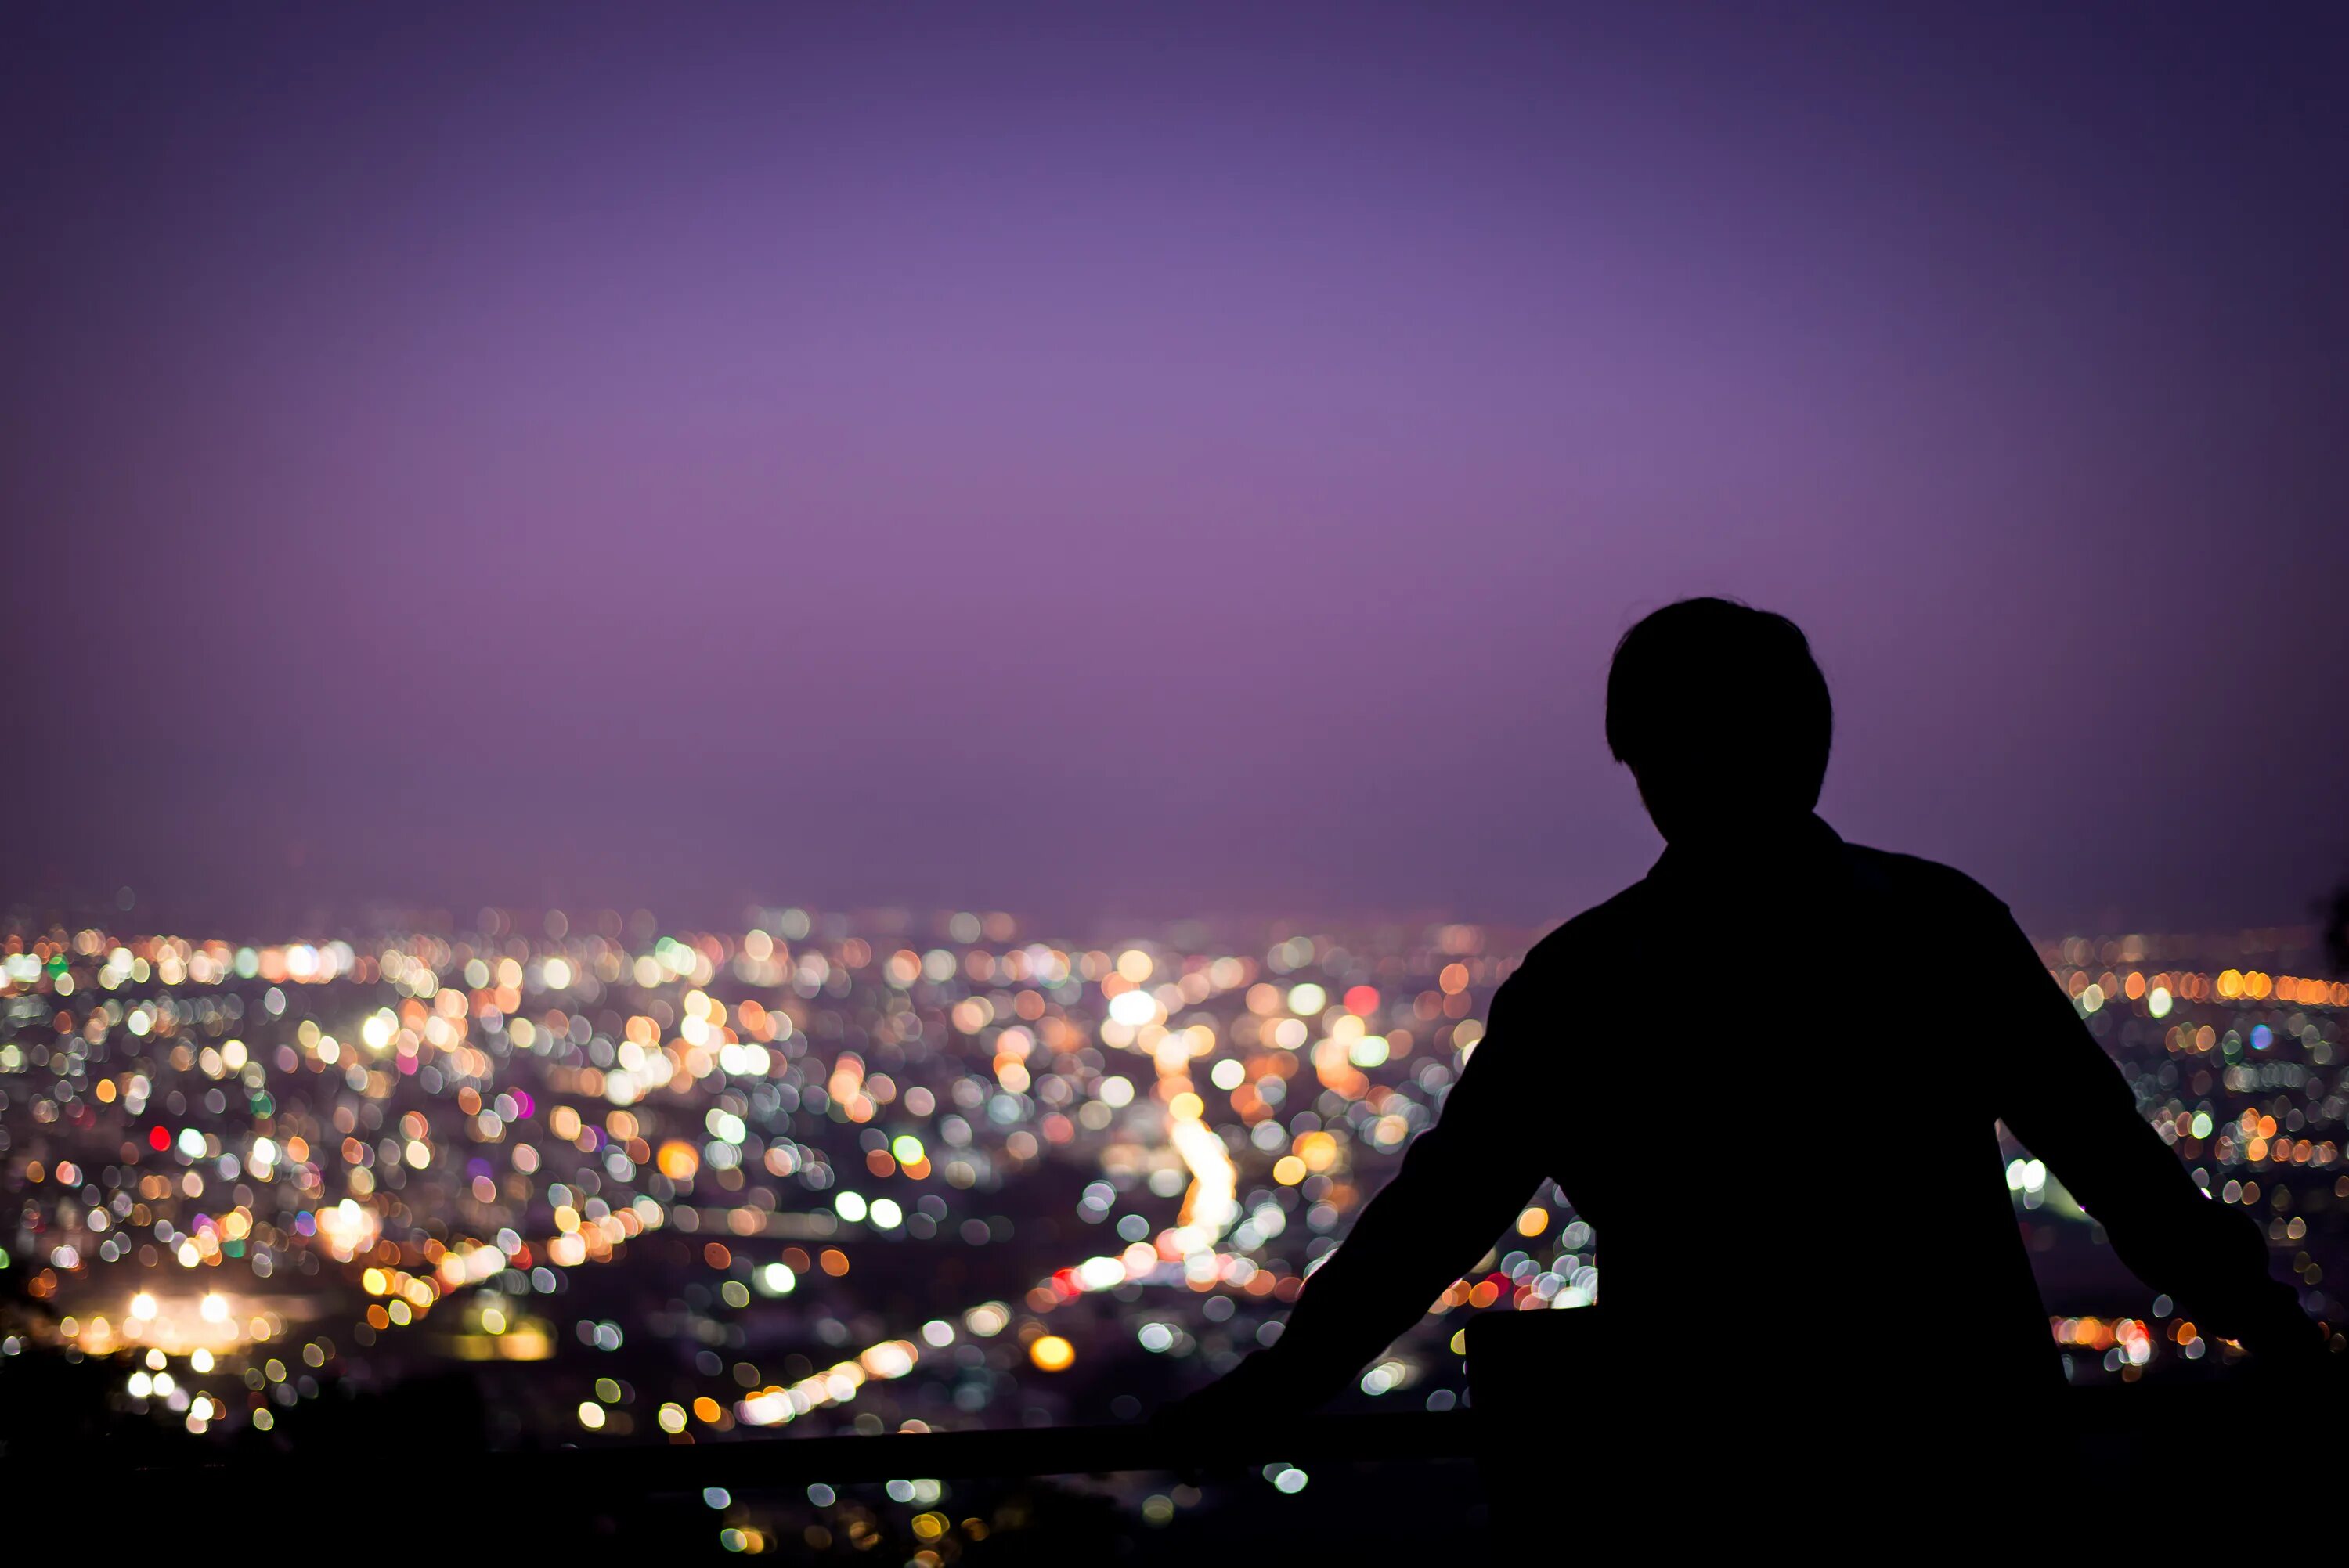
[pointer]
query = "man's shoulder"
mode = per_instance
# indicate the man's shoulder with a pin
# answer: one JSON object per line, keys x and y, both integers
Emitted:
{"x": 1914, "y": 878}
{"x": 1596, "y": 930}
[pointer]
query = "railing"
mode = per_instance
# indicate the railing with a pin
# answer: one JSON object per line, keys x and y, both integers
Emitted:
{"x": 752, "y": 1463}
{"x": 748, "y": 1464}
{"x": 1387, "y": 1486}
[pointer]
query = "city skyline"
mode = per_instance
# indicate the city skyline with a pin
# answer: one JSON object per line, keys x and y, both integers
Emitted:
{"x": 960, "y": 1067}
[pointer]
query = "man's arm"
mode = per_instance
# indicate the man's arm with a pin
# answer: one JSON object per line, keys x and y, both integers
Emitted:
{"x": 2070, "y": 1105}
{"x": 1460, "y": 1186}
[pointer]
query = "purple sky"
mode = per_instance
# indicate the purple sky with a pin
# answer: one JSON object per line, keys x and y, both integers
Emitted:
{"x": 1157, "y": 459}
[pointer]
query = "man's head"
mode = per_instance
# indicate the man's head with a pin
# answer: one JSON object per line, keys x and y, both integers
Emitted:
{"x": 1722, "y": 715}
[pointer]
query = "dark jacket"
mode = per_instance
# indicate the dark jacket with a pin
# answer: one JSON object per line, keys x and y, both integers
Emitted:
{"x": 1772, "y": 1081}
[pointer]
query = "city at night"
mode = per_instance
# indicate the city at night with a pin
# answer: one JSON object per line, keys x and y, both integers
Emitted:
{"x": 1121, "y": 783}
{"x": 888, "y": 1173}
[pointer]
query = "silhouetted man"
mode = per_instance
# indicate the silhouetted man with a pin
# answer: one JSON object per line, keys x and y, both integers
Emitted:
{"x": 1769, "y": 1074}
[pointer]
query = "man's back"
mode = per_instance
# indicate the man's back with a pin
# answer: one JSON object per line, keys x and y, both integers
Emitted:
{"x": 1778, "y": 1080}
{"x": 1770, "y": 1075}
{"x": 1771, "y": 1080}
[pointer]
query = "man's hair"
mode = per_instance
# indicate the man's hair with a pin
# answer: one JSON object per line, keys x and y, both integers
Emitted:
{"x": 1710, "y": 694}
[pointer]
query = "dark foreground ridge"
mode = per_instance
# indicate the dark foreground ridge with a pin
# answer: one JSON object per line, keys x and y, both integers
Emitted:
{"x": 1458, "y": 1486}
{"x": 747, "y": 1464}
{"x": 2156, "y": 1412}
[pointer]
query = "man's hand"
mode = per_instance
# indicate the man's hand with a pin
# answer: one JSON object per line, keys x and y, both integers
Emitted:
{"x": 1260, "y": 1390}
{"x": 2293, "y": 1354}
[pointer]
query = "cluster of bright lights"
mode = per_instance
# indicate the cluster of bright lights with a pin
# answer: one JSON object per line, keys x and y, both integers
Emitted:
{"x": 443, "y": 1128}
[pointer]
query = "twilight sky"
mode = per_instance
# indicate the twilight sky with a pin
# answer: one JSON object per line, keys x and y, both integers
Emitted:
{"x": 1157, "y": 459}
